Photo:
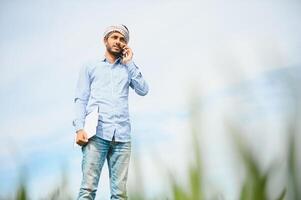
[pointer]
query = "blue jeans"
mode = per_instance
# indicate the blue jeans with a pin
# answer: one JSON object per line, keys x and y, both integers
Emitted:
{"x": 94, "y": 155}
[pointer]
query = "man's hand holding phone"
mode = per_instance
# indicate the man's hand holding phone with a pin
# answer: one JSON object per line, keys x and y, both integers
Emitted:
{"x": 127, "y": 55}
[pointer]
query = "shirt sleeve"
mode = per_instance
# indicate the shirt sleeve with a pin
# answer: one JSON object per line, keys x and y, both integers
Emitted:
{"x": 82, "y": 94}
{"x": 136, "y": 80}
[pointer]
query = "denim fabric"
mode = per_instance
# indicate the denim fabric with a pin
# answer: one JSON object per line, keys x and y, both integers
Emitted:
{"x": 95, "y": 153}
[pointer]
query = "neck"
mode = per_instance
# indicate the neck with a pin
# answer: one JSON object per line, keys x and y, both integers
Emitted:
{"x": 110, "y": 57}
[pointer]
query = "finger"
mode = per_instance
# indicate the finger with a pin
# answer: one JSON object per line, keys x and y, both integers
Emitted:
{"x": 81, "y": 142}
{"x": 125, "y": 51}
{"x": 129, "y": 52}
{"x": 77, "y": 140}
{"x": 85, "y": 137}
{"x": 128, "y": 49}
{"x": 129, "y": 55}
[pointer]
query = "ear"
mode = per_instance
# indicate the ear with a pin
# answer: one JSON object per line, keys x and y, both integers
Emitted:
{"x": 105, "y": 40}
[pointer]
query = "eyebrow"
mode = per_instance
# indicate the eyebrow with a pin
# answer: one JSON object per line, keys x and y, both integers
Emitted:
{"x": 121, "y": 37}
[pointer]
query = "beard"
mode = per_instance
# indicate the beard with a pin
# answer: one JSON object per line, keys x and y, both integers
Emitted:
{"x": 115, "y": 53}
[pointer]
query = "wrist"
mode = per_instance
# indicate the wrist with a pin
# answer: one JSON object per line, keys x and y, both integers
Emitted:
{"x": 79, "y": 130}
{"x": 130, "y": 63}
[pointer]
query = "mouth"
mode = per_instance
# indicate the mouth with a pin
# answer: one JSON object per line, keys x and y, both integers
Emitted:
{"x": 116, "y": 47}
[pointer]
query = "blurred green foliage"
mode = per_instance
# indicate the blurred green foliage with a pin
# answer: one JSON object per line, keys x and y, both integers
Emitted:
{"x": 254, "y": 187}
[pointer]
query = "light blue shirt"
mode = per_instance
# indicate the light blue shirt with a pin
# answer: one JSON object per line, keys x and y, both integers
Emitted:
{"x": 106, "y": 86}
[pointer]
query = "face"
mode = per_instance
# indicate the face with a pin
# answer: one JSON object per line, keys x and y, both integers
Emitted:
{"x": 115, "y": 43}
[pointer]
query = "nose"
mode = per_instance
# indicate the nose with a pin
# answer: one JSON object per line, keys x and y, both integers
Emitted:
{"x": 117, "y": 43}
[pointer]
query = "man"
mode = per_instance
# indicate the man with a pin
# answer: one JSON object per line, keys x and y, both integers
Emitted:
{"x": 104, "y": 84}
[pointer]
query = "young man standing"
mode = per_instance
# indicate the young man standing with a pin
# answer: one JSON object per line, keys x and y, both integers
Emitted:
{"x": 104, "y": 84}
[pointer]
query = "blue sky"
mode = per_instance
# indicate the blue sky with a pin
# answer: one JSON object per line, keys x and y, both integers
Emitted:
{"x": 211, "y": 48}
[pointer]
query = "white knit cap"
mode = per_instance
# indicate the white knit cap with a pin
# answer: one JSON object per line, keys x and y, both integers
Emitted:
{"x": 118, "y": 28}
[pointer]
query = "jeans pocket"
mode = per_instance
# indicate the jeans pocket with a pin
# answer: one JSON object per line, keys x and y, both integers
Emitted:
{"x": 93, "y": 138}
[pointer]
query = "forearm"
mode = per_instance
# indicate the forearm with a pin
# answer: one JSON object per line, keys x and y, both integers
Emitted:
{"x": 80, "y": 113}
{"x": 137, "y": 81}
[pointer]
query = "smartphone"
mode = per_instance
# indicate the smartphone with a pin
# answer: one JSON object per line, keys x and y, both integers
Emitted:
{"x": 123, "y": 55}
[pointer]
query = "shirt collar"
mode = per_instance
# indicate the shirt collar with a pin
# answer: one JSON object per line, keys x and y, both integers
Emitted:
{"x": 104, "y": 59}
